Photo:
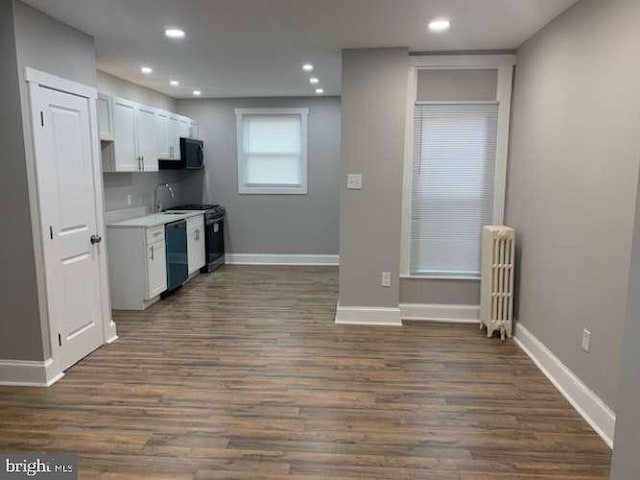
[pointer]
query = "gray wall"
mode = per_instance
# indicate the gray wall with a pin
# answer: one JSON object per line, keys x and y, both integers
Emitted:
{"x": 449, "y": 85}
{"x": 140, "y": 186}
{"x": 374, "y": 97}
{"x": 29, "y": 39}
{"x": 572, "y": 183}
{"x": 46, "y": 44}
{"x": 117, "y": 186}
{"x": 458, "y": 85}
{"x": 278, "y": 224}
{"x": 119, "y": 87}
{"x": 440, "y": 291}
{"x": 626, "y": 461}
{"x": 20, "y": 335}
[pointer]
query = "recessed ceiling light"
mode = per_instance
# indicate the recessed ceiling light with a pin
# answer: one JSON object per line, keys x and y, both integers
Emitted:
{"x": 439, "y": 25}
{"x": 313, "y": 80}
{"x": 146, "y": 70}
{"x": 174, "y": 83}
{"x": 174, "y": 33}
{"x": 307, "y": 67}
{"x": 319, "y": 91}
{"x": 197, "y": 93}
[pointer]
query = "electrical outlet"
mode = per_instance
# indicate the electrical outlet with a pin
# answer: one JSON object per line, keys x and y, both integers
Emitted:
{"x": 386, "y": 279}
{"x": 354, "y": 181}
{"x": 129, "y": 200}
{"x": 586, "y": 340}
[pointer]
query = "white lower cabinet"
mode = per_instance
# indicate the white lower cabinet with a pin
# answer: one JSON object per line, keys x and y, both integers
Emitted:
{"x": 137, "y": 266}
{"x": 156, "y": 269}
{"x": 195, "y": 243}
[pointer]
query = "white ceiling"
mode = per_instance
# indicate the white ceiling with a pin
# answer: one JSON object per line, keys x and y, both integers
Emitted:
{"x": 256, "y": 47}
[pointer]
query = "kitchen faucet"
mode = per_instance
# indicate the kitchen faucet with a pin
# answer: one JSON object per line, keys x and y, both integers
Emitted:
{"x": 156, "y": 203}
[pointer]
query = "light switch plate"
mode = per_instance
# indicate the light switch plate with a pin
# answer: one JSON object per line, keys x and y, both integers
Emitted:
{"x": 354, "y": 181}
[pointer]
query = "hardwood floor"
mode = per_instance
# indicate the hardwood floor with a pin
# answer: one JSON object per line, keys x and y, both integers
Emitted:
{"x": 243, "y": 375}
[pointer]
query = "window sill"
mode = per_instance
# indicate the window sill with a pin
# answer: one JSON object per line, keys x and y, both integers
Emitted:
{"x": 272, "y": 191}
{"x": 466, "y": 278}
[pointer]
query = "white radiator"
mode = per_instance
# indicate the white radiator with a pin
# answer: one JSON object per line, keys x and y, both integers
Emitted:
{"x": 497, "y": 270}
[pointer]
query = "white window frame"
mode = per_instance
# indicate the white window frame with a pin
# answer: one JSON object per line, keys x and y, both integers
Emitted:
{"x": 504, "y": 64}
{"x": 243, "y": 188}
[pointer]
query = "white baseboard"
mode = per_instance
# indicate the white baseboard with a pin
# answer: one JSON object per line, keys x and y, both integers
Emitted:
{"x": 26, "y": 373}
{"x": 440, "y": 312}
{"x": 597, "y": 414}
{"x": 278, "y": 259}
{"x": 374, "y": 316}
{"x": 111, "y": 334}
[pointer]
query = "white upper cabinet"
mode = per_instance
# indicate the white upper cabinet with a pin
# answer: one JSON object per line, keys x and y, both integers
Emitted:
{"x": 105, "y": 117}
{"x": 186, "y": 127}
{"x": 162, "y": 120}
{"x": 148, "y": 145}
{"x": 194, "y": 129}
{"x": 125, "y": 150}
{"x": 141, "y": 135}
{"x": 174, "y": 137}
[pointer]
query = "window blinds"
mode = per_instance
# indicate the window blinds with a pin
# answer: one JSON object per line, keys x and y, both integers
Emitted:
{"x": 272, "y": 149}
{"x": 453, "y": 186}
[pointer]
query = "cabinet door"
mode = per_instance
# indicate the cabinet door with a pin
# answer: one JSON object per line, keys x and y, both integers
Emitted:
{"x": 147, "y": 128}
{"x": 195, "y": 243}
{"x": 105, "y": 118}
{"x": 174, "y": 137}
{"x": 162, "y": 122}
{"x": 185, "y": 127}
{"x": 124, "y": 137}
{"x": 156, "y": 269}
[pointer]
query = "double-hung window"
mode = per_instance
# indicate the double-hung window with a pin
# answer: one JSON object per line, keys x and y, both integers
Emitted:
{"x": 453, "y": 186}
{"x": 455, "y": 161}
{"x": 272, "y": 151}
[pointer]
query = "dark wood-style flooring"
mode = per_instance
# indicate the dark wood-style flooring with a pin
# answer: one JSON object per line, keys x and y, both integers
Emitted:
{"x": 243, "y": 375}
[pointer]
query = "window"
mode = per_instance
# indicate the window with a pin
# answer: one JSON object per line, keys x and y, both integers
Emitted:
{"x": 272, "y": 151}
{"x": 453, "y": 186}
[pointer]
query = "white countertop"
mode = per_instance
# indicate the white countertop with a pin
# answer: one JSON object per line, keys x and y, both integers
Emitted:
{"x": 154, "y": 219}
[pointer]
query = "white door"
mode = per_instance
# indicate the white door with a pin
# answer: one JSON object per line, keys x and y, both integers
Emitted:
{"x": 67, "y": 195}
{"x": 124, "y": 136}
{"x": 147, "y": 127}
{"x": 156, "y": 269}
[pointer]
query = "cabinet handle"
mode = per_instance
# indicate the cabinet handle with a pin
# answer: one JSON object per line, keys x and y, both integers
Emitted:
{"x": 152, "y": 253}
{"x": 142, "y": 163}
{"x": 197, "y": 234}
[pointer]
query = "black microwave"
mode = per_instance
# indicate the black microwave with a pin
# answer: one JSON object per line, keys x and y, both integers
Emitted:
{"x": 191, "y": 156}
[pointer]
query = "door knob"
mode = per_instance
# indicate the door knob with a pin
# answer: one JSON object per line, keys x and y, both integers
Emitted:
{"x": 95, "y": 239}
